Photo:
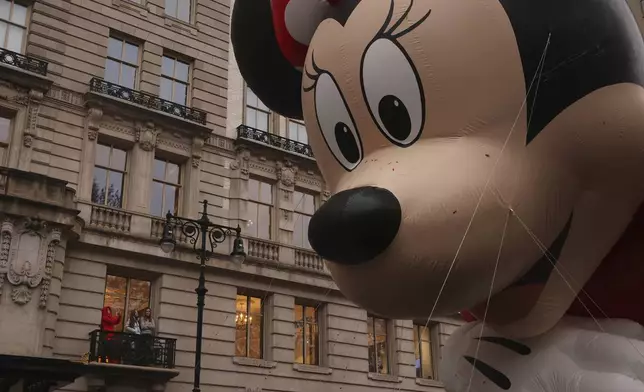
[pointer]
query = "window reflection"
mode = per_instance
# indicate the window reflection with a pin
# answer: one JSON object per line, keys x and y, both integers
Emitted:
{"x": 304, "y": 205}
{"x": 109, "y": 176}
{"x": 423, "y": 352}
{"x": 378, "y": 347}
{"x": 249, "y": 327}
{"x": 297, "y": 131}
{"x": 174, "y": 80}
{"x": 259, "y": 208}
{"x": 13, "y": 22}
{"x": 257, "y": 114}
{"x": 166, "y": 183}
{"x": 122, "y": 62}
{"x": 306, "y": 335}
{"x": 124, "y": 295}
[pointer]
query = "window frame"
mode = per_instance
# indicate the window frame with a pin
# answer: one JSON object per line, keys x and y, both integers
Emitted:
{"x": 11, "y": 116}
{"x": 299, "y": 124}
{"x": 126, "y": 311}
{"x": 124, "y": 173}
{"x": 271, "y": 208}
{"x": 431, "y": 329}
{"x": 175, "y": 58}
{"x": 267, "y": 111}
{"x": 262, "y": 327}
{"x": 23, "y": 44}
{"x": 178, "y": 199}
{"x": 387, "y": 344}
{"x": 297, "y": 213}
{"x": 137, "y": 67}
{"x": 191, "y": 15}
{"x": 318, "y": 351}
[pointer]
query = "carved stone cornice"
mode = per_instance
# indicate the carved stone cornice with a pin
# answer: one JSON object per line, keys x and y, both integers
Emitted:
{"x": 26, "y": 79}
{"x": 33, "y": 112}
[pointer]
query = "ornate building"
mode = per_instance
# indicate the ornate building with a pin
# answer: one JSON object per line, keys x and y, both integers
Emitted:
{"x": 637, "y": 6}
{"x": 114, "y": 112}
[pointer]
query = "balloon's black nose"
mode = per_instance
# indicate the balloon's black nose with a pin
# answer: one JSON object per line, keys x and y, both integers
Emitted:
{"x": 356, "y": 225}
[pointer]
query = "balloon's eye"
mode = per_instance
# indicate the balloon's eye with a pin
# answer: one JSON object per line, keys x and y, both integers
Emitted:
{"x": 393, "y": 92}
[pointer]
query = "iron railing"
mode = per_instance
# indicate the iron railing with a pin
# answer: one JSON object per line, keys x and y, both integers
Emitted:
{"x": 23, "y": 62}
{"x": 129, "y": 349}
{"x": 277, "y": 141}
{"x": 100, "y": 86}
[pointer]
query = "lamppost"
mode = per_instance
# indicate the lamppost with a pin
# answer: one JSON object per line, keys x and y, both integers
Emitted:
{"x": 204, "y": 232}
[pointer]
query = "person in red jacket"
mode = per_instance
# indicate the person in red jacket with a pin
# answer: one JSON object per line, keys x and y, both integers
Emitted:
{"x": 108, "y": 322}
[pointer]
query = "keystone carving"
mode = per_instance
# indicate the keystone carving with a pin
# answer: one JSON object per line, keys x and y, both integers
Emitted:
{"x": 94, "y": 116}
{"x": 146, "y": 136}
{"x": 286, "y": 173}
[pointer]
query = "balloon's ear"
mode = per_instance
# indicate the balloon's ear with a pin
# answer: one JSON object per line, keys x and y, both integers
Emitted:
{"x": 275, "y": 81}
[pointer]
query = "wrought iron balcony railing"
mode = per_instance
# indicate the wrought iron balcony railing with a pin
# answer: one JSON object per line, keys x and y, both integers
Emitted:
{"x": 23, "y": 62}
{"x": 272, "y": 140}
{"x": 128, "y": 349}
{"x": 100, "y": 86}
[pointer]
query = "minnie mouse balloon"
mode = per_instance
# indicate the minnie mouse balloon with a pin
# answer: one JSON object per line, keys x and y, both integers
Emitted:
{"x": 474, "y": 148}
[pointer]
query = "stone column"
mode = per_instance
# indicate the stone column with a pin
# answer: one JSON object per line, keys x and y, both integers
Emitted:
{"x": 239, "y": 187}
{"x": 31, "y": 128}
{"x": 141, "y": 161}
{"x": 191, "y": 195}
{"x": 86, "y": 176}
{"x": 32, "y": 254}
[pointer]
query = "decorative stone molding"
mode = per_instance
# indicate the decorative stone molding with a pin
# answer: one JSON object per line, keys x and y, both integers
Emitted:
{"x": 146, "y": 135}
{"x": 242, "y": 163}
{"x": 326, "y": 194}
{"x": 33, "y": 111}
{"x": 27, "y": 258}
{"x": 197, "y": 151}
{"x": 66, "y": 96}
{"x": 286, "y": 173}
{"x": 94, "y": 116}
{"x": 309, "y": 180}
{"x": 27, "y": 140}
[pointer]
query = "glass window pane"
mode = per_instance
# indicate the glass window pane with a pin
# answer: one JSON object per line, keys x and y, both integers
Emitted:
{"x": 253, "y": 190}
{"x": 15, "y": 35}
{"x": 172, "y": 174}
{"x": 19, "y": 14}
{"x": 114, "y": 48}
{"x": 251, "y": 118}
{"x": 309, "y": 204}
{"x": 299, "y": 343}
{"x": 98, "y": 186}
{"x": 167, "y": 66}
{"x": 170, "y": 199}
{"x": 251, "y": 98}
{"x": 264, "y": 222}
{"x": 265, "y": 193}
{"x": 383, "y": 360}
{"x": 426, "y": 360}
{"x": 112, "y": 71}
{"x": 292, "y": 130}
{"x": 5, "y": 129}
{"x": 251, "y": 229}
{"x": 159, "y": 169}
{"x": 305, "y": 232}
{"x": 298, "y": 234}
{"x": 165, "y": 89}
{"x": 5, "y": 9}
{"x": 180, "y": 93}
{"x": 255, "y": 330}
{"x": 183, "y": 11}
{"x": 297, "y": 201}
{"x": 380, "y": 327}
{"x": 139, "y": 296}
{"x": 171, "y": 8}
{"x": 131, "y": 53}
{"x": 241, "y": 320}
{"x": 303, "y": 136}
{"x": 312, "y": 353}
{"x": 115, "y": 189}
{"x": 128, "y": 76}
{"x": 262, "y": 121}
{"x": 156, "y": 204}
{"x": 181, "y": 71}
{"x": 118, "y": 159}
{"x": 102, "y": 155}
{"x": 115, "y": 292}
{"x": 3, "y": 32}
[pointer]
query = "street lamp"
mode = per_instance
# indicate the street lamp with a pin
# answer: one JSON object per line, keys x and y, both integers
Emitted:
{"x": 204, "y": 232}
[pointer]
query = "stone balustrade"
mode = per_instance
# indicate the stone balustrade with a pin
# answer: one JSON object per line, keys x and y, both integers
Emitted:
{"x": 110, "y": 219}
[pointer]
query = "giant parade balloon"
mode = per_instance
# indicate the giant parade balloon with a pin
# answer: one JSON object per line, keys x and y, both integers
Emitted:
{"x": 485, "y": 157}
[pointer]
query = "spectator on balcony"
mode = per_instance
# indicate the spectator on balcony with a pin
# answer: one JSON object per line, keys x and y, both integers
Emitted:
{"x": 107, "y": 348}
{"x": 133, "y": 324}
{"x": 109, "y": 321}
{"x": 147, "y": 323}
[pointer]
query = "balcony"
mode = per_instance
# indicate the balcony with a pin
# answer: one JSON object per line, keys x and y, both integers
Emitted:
{"x": 128, "y": 349}
{"x": 23, "y": 62}
{"x": 170, "y": 110}
{"x": 262, "y": 138}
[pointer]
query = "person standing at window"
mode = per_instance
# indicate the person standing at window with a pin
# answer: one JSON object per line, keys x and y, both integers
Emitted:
{"x": 107, "y": 348}
{"x": 133, "y": 323}
{"x": 148, "y": 328}
{"x": 147, "y": 323}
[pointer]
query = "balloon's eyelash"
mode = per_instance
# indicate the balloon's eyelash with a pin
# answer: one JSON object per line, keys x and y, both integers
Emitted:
{"x": 313, "y": 76}
{"x": 389, "y": 33}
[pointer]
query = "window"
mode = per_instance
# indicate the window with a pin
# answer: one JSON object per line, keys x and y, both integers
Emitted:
{"x": 166, "y": 183}
{"x": 378, "y": 345}
{"x": 257, "y": 114}
{"x": 13, "y": 25}
{"x": 304, "y": 209}
{"x": 179, "y": 9}
{"x": 423, "y": 351}
{"x": 6, "y": 125}
{"x": 249, "y": 327}
{"x": 297, "y": 131}
{"x": 174, "y": 80}
{"x": 125, "y": 295}
{"x": 260, "y": 195}
{"x": 307, "y": 335}
{"x": 122, "y": 62}
{"x": 109, "y": 175}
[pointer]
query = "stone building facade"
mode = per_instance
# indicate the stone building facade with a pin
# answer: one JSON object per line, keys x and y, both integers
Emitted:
{"x": 113, "y": 112}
